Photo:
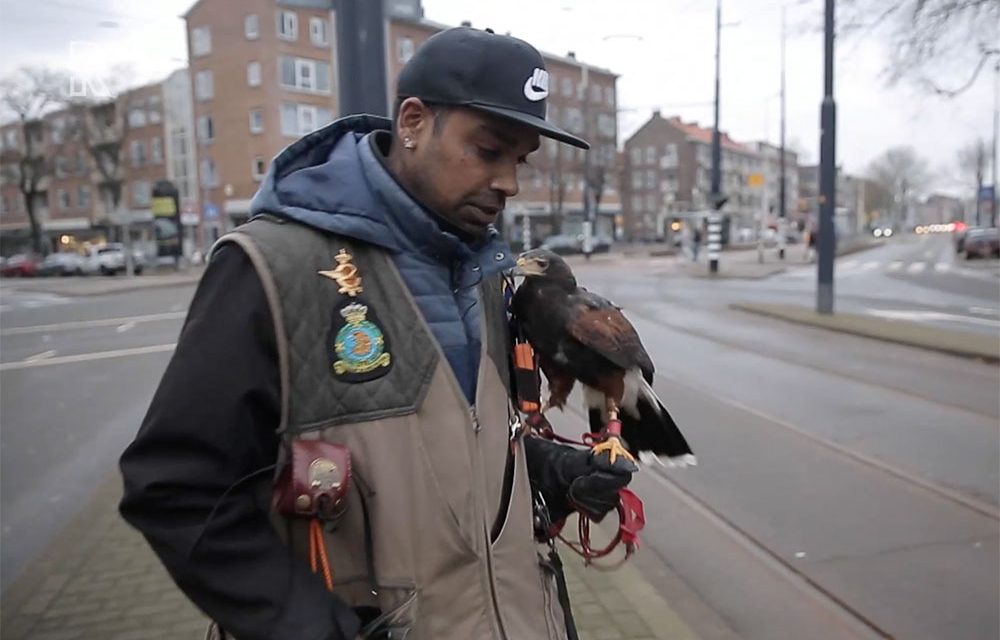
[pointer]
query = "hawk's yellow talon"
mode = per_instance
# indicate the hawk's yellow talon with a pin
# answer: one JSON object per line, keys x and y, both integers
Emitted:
{"x": 614, "y": 448}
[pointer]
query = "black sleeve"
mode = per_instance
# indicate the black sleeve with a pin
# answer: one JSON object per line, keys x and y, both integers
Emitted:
{"x": 197, "y": 477}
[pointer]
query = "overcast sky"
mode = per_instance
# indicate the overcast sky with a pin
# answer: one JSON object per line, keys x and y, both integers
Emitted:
{"x": 662, "y": 49}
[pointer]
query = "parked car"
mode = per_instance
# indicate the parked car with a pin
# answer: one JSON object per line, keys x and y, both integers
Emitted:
{"x": 563, "y": 244}
{"x": 62, "y": 264}
{"x": 109, "y": 259}
{"x": 22, "y": 265}
{"x": 962, "y": 234}
{"x": 982, "y": 243}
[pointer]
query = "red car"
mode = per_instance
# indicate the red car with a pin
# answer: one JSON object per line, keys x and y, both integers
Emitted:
{"x": 20, "y": 266}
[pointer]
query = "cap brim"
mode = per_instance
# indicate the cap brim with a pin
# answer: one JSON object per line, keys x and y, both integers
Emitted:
{"x": 543, "y": 127}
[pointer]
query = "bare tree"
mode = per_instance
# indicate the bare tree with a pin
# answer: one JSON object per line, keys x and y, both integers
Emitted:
{"x": 930, "y": 40}
{"x": 554, "y": 171}
{"x": 27, "y": 95}
{"x": 972, "y": 163}
{"x": 904, "y": 175}
{"x": 103, "y": 123}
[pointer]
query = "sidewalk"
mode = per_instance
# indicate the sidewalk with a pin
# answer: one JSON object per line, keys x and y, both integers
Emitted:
{"x": 99, "y": 579}
{"x": 960, "y": 343}
{"x": 101, "y": 285}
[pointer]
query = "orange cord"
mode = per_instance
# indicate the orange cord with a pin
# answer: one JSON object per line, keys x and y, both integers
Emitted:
{"x": 317, "y": 552}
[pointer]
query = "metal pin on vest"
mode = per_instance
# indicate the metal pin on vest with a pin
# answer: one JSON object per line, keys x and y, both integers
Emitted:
{"x": 345, "y": 274}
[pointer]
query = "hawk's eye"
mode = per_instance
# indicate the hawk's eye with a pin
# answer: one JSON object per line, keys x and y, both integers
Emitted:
{"x": 544, "y": 264}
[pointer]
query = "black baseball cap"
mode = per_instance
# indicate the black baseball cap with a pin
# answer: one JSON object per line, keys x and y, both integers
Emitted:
{"x": 482, "y": 70}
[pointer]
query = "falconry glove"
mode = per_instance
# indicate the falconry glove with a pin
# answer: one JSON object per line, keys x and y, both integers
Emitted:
{"x": 572, "y": 479}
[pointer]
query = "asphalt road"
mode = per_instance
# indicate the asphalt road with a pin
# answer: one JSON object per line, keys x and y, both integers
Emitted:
{"x": 846, "y": 487}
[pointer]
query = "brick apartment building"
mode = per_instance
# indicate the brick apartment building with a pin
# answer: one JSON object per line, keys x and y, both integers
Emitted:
{"x": 667, "y": 176}
{"x": 266, "y": 74}
{"x": 144, "y": 130}
{"x": 860, "y": 202}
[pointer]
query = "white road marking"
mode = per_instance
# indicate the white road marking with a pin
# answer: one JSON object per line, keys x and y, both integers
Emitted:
{"x": 45, "y": 355}
{"x": 86, "y": 357}
{"x": 984, "y": 311}
{"x": 849, "y": 264}
{"x": 941, "y": 267}
{"x": 87, "y": 324}
{"x": 895, "y": 265}
{"x": 125, "y": 327}
{"x": 916, "y": 267}
{"x": 917, "y": 316}
{"x": 868, "y": 266}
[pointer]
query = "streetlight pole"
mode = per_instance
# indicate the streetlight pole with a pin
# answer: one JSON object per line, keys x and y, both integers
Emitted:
{"x": 782, "y": 196}
{"x": 828, "y": 173}
{"x": 361, "y": 57}
{"x": 717, "y": 200}
{"x": 996, "y": 125}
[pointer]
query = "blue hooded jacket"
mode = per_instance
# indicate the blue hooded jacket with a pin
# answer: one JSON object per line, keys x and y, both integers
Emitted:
{"x": 332, "y": 180}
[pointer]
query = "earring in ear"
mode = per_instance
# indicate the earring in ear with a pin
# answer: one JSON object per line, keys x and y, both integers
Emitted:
{"x": 408, "y": 143}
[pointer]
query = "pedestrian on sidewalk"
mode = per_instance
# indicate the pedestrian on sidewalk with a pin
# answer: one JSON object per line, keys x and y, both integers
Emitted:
{"x": 695, "y": 243}
{"x": 811, "y": 243}
{"x": 330, "y": 453}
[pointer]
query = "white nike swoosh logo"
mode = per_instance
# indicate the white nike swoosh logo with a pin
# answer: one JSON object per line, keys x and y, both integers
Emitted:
{"x": 533, "y": 94}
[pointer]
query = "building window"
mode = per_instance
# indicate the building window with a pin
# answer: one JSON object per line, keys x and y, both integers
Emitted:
{"x": 209, "y": 177}
{"x": 156, "y": 151}
{"x": 317, "y": 32}
{"x": 60, "y": 167}
{"x": 404, "y": 50}
{"x": 138, "y": 153}
{"x": 650, "y": 179}
{"x": 258, "y": 168}
{"x": 140, "y": 193}
{"x": 305, "y": 74}
{"x": 58, "y": 128}
{"x": 251, "y": 27}
{"x": 62, "y": 197}
{"x": 81, "y": 162}
{"x": 136, "y": 117}
{"x": 636, "y": 204}
{"x": 651, "y": 203}
{"x": 595, "y": 93}
{"x": 256, "y": 120}
{"x": 300, "y": 119}
{"x": 606, "y": 124}
{"x": 83, "y": 197}
{"x": 204, "y": 86}
{"x": 206, "y": 129}
{"x": 288, "y": 25}
{"x": 253, "y": 74}
{"x": 636, "y": 154}
{"x": 567, "y": 86}
{"x": 650, "y": 155}
{"x": 201, "y": 41}
{"x": 609, "y": 96}
{"x": 637, "y": 180}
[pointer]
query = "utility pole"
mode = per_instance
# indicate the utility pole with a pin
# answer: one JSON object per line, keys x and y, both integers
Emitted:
{"x": 717, "y": 199}
{"x": 828, "y": 173}
{"x": 588, "y": 210}
{"x": 996, "y": 125}
{"x": 361, "y": 57}
{"x": 782, "y": 195}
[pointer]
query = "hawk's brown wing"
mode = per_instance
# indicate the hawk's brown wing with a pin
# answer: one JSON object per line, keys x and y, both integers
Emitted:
{"x": 601, "y": 327}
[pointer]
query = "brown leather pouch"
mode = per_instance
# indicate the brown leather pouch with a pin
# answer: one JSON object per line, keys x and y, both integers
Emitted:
{"x": 314, "y": 482}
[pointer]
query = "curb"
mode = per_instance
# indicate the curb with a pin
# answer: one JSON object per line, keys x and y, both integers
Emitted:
{"x": 108, "y": 288}
{"x": 957, "y": 343}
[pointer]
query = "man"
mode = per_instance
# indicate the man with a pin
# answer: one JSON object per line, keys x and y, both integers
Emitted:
{"x": 362, "y": 306}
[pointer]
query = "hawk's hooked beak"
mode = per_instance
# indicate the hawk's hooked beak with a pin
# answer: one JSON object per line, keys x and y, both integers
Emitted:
{"x": 527, "y": 267}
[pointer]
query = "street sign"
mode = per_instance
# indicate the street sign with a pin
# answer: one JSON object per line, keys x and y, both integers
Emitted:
{"x": 211, "y": 212}
{"x": 755, "y": 180}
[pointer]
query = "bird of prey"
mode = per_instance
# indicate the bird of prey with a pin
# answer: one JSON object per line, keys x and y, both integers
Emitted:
{"x": 580, "y": 336}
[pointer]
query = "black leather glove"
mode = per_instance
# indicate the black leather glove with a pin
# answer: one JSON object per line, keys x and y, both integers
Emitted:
{"x": 572, "y": 479}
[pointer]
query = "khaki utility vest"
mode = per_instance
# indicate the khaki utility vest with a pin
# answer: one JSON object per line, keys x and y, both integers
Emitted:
{"x": 445, "y": 489}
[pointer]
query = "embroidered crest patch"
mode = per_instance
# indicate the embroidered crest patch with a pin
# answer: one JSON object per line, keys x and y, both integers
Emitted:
{"x": 360, "y": 350}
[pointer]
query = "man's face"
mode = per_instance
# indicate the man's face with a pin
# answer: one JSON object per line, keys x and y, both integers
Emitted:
{"x": 464, "y": 168}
